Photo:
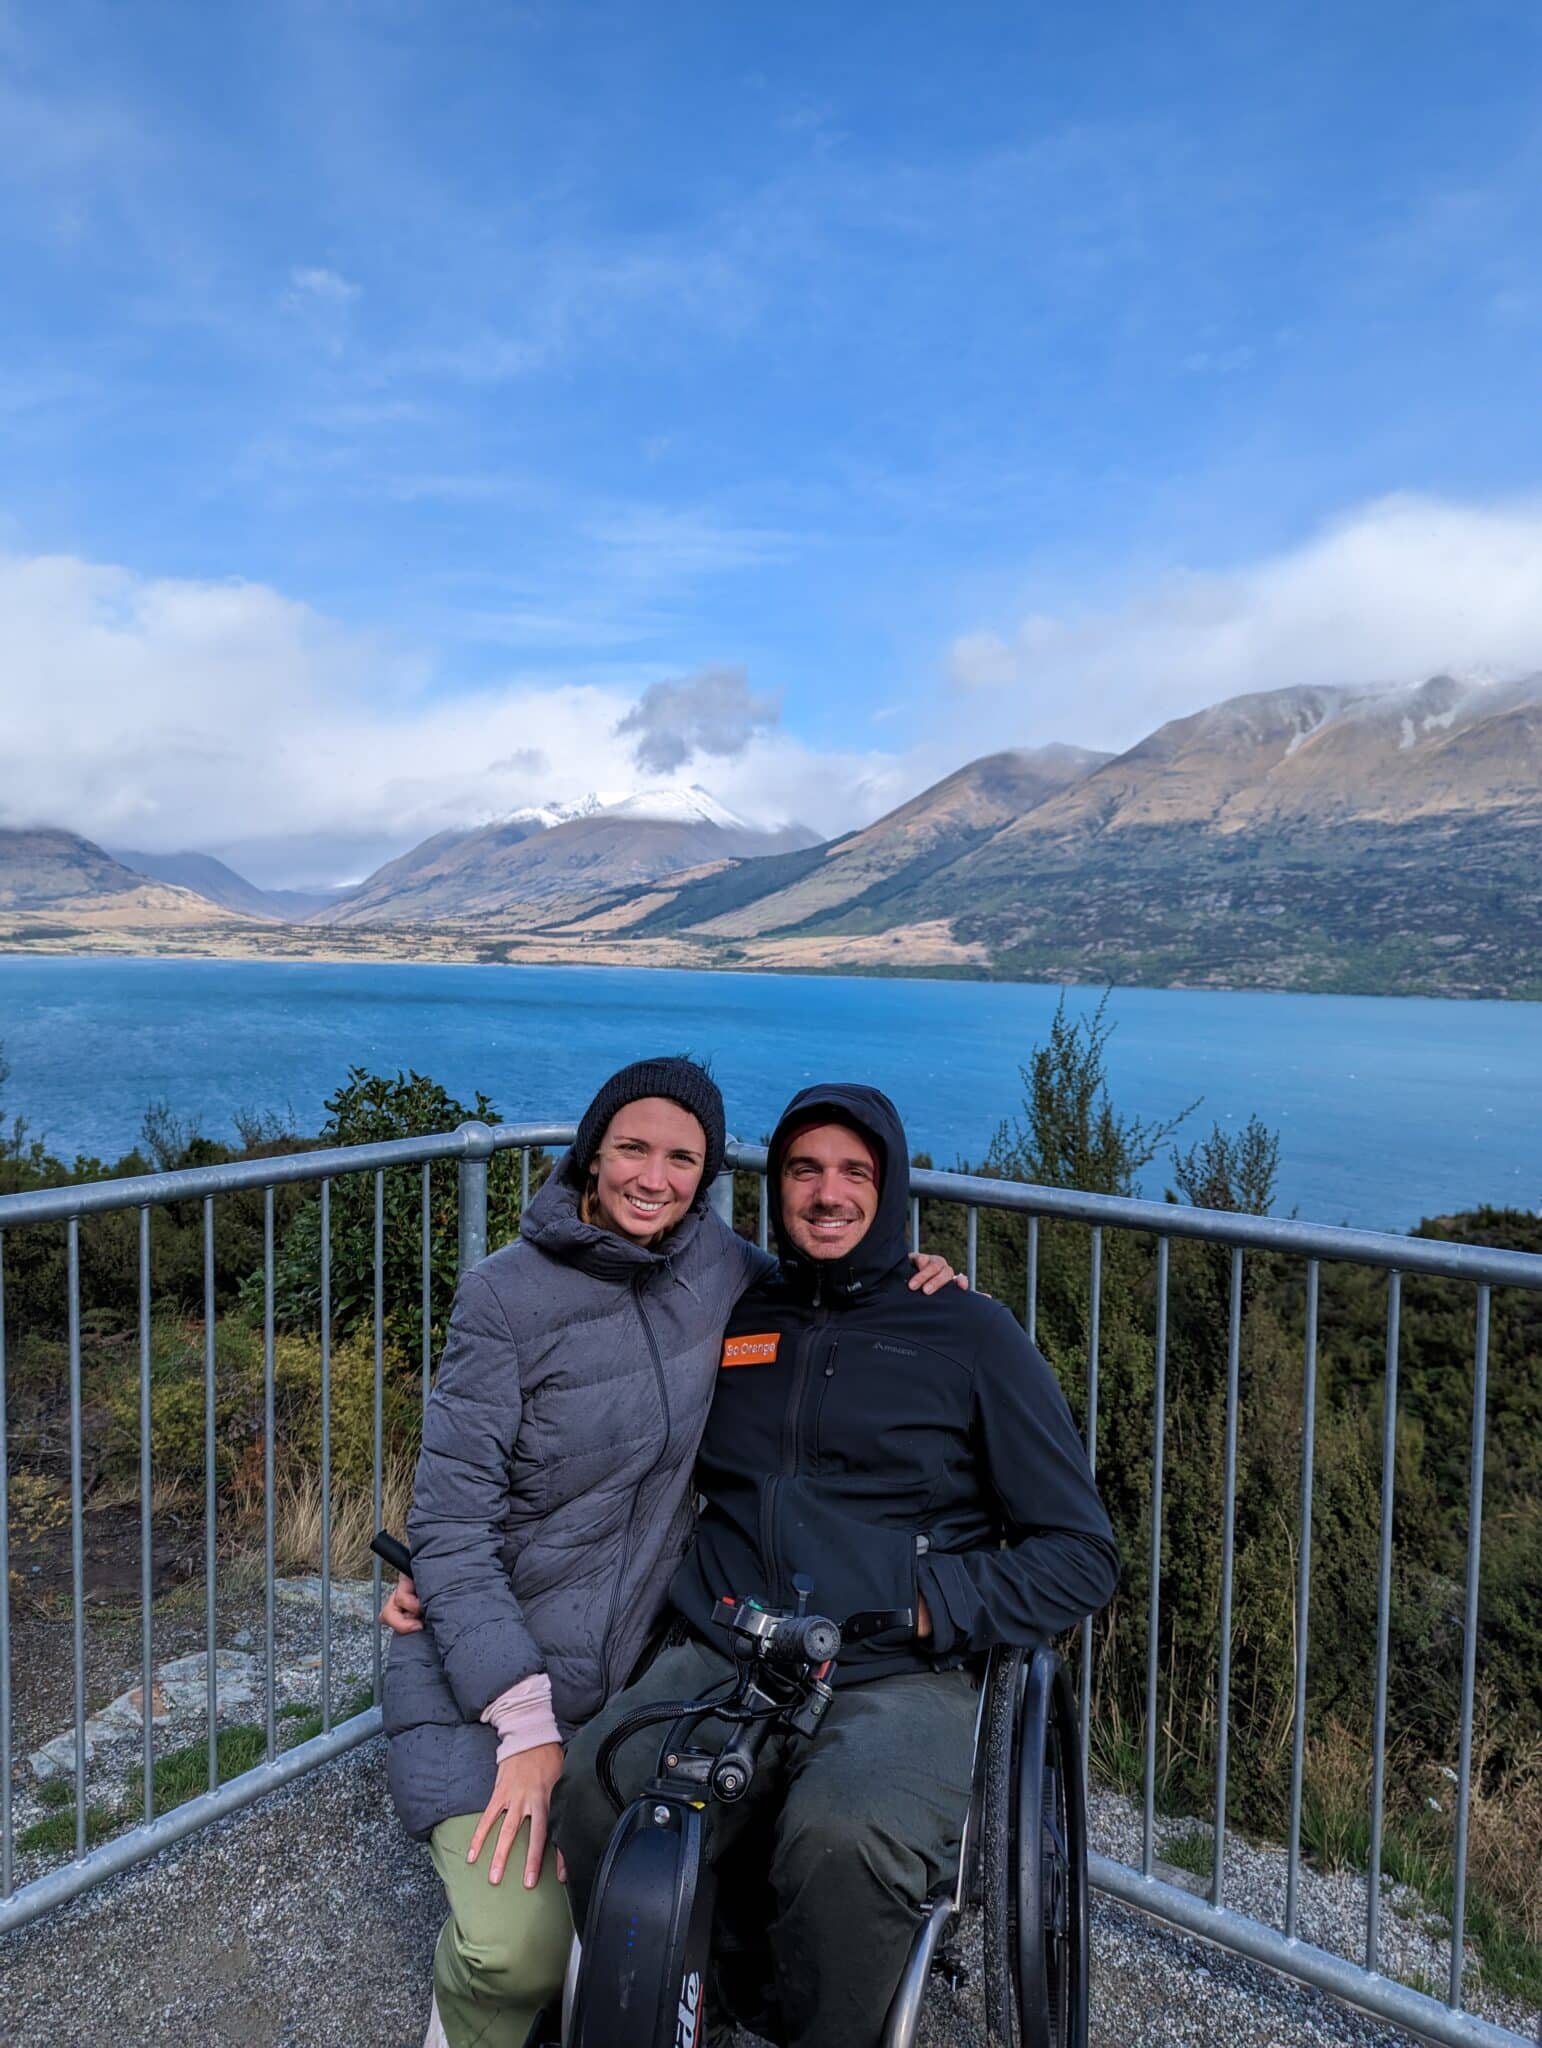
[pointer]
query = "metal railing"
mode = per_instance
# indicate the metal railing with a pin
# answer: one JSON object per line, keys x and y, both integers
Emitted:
{"x": 470, "y": 1148}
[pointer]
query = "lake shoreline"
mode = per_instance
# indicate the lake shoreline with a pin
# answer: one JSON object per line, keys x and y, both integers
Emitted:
{"x": 411, "y": 946}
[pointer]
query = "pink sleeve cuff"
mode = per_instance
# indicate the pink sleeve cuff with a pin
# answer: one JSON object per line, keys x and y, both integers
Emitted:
{"x": 522, "y": 1717}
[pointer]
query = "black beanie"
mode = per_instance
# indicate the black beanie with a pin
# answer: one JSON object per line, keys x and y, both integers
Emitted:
{"x": 677, "y": 1080}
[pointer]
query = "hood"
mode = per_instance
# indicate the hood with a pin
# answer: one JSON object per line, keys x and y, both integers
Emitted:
{"x": 553, "y": 1225}
{"x": 887, "y": 1241}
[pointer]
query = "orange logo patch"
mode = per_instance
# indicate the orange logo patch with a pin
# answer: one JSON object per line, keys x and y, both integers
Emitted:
{"x": 751, "y": 1350}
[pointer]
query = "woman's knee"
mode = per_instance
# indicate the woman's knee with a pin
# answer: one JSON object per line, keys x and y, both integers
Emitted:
{"x": 519, "y": 1958}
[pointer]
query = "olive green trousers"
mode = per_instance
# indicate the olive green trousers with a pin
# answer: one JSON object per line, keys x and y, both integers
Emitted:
{"x": 503, "y": 1950}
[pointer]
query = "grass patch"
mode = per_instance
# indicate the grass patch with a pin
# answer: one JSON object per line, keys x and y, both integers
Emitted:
{"x": 1191, "y": 1850}
{"x": 305, "y": 1722}
{"x": 55, "y": 1793}
{"x": 181, "y": 1774}
{"x": 57, "y": 1832}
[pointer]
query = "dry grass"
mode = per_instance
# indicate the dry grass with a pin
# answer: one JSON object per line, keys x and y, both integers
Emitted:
{"x": 1335, "y": 1797}
{"x": 1504, "y": 1828}
{"x": 297, "y": 1518}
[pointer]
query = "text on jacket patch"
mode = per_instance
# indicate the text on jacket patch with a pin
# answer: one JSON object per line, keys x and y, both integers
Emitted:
{"x": 759, "y": 1350}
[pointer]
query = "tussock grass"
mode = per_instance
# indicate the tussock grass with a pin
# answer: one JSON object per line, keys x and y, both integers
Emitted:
{"x": 297, "y": 1517}
{"x": 1504, "y": 1871}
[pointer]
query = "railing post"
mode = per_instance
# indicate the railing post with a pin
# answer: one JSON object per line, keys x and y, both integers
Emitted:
{"x": 478, "y": 1140}
{"x": 720, "y": 1196}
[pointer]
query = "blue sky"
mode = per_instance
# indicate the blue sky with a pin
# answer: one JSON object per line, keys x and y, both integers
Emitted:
{"x": 391, "y": 395}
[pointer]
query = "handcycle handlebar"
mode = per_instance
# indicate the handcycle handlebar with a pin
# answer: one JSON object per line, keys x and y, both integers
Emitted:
{"x": 783, "y": 1661}
{"x": 392, "y": 1551}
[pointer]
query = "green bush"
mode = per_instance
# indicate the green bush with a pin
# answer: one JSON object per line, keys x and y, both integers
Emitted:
{"x": 374, "y": 1109}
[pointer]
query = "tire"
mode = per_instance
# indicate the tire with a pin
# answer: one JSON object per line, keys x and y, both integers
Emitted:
{"x": 1034, "y": 1905}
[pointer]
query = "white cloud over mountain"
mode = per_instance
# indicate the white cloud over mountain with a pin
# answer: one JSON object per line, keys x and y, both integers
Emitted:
{"x": 169, "y": 714}
{"x": 1398, "y": 590}
{"x": 166, "y": 713}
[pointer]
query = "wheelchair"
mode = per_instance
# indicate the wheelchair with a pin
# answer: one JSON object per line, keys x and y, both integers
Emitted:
{"x": 1022, "y": 1863}
{"x": 637, "y": 1980}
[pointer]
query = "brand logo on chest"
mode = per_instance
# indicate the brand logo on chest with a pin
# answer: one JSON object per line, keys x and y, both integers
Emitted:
{"x": 757, "y": 1350}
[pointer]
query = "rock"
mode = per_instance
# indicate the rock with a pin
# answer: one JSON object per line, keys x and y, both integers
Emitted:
{"x": 234, "y": 1663}
{"x": 185, "y": 1682}
{"x": 101, "y": 1730}
{"x": 128, "y": 1709}
{"x": 354, "y": 1598}
{"x": 56, "y": 1759}
{"x": 242, "y": 1639}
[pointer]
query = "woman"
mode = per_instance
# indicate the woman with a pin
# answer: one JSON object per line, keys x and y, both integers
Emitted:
{"x": 550, "y": 1508}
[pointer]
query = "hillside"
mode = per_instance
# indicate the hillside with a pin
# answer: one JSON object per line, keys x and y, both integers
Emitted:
{"x": 59, "y": 883}
{"x": 880, "y": 863}
{"x": 522, "y": 867}
{"x": 1319, "y": 759}
{"x": 42, "y": 868}
{"x": 1307, "y": 839}
{"x": 211, "y": 878}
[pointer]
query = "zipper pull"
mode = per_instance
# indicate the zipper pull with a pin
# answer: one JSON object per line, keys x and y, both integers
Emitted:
{"x": 835, "y": 1345}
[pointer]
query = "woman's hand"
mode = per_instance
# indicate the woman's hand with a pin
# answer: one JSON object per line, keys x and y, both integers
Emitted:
{"x": 932, "y": 1273}
{"x": 403, "y": 1610}
{"x": 522, "y": 1791}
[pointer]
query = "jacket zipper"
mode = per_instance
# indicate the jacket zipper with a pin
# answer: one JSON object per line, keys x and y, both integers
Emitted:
{"x": 791, "y": 1430}
{"x": 663, "y": 1451}
{"x": 819, "y": 1406}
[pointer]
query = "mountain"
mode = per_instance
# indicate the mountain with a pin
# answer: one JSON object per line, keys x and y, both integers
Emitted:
{"x": 209, "y": 877}
{"x": 541, "y": 872}
{"x": 1314, "y": 838}
{"x": 877, "y": 865}
{"x": 1383, "y": 840}
{"x": 41, "y": 868}
{"x": 1377, "y": 841}
{"x": 51, "y": 873}
{"x": 1321, "y": 759}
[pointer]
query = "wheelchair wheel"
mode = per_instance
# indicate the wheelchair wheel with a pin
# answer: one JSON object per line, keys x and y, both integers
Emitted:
{"x": 1034, "y": 1902}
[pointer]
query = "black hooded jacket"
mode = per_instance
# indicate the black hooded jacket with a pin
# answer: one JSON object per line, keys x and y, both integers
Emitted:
{"x": 888, "y": 1445}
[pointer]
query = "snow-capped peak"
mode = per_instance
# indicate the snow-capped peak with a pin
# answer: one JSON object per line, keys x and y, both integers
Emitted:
{"x": 548, "y": 815}
{"x": 693, "y": 806}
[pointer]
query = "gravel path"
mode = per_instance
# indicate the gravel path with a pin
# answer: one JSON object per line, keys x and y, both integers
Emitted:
{"x": 309, "y": 1921}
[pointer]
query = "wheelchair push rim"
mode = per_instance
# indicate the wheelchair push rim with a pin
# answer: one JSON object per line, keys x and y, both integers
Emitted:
{"x": 1036, "y": 1856}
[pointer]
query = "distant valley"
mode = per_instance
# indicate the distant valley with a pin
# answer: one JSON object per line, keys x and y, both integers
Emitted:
{"x": 1385, "y": 841}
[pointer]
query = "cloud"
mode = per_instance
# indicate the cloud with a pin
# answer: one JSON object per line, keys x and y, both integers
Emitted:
{"x": 323, "y": 301}
{"x": 319, "y": 287}
{"x": 714, "y": 712}
{"x": 1397, "y": 590}
{"x": 168, "y": 713}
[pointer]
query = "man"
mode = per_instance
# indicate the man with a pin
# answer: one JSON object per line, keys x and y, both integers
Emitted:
{"x": 919, "y": 1463}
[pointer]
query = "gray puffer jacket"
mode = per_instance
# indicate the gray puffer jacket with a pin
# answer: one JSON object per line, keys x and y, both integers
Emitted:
{"x": 552, "y": 1499}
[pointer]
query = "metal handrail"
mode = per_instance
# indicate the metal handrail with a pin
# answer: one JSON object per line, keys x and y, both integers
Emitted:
{"x": 469, "y": 1149}
{"x": 1337, "y": 1242}
{"x": 469, "y": 1141}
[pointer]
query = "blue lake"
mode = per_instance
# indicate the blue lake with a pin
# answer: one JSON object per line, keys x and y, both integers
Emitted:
{"x": 1387, "y": 1109}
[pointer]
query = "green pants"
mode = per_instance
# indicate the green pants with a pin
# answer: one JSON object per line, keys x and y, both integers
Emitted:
{"x": 503, "y": 1951}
